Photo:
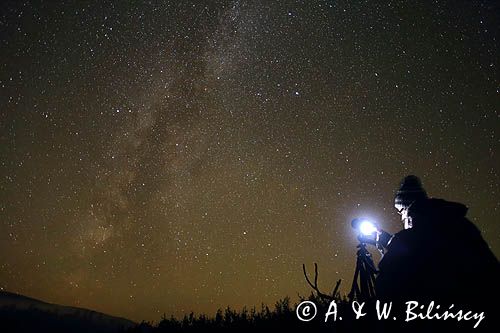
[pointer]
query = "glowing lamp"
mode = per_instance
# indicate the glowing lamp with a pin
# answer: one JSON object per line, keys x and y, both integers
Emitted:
{"x": 364, "y": 226}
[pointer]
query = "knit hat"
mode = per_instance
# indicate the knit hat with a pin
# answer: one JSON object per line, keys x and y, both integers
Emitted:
{"x": 409, "y": 191}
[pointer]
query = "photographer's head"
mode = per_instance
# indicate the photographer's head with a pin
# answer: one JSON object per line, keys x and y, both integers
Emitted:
{"x": 410, "y": 190}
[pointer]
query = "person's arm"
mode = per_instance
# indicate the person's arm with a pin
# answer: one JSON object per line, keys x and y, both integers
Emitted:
{"x": 384, "y": 238}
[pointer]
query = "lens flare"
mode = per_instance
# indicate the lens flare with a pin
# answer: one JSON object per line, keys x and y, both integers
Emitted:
{"x": 367, "y": 228}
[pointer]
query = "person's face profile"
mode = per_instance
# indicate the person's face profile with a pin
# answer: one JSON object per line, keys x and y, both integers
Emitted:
{"x": 405, "y": 218}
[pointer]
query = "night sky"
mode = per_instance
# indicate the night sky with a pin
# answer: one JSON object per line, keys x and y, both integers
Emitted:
{"x": 163, "y": 157}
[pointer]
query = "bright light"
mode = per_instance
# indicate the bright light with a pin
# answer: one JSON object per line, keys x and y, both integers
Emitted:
{"x": 367, "y": 227}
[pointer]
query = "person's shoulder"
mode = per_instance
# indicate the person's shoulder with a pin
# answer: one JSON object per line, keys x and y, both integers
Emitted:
{"x": 439, "y": 208}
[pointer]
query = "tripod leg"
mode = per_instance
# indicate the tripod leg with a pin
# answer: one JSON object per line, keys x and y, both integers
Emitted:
{"x": 355, "y": 292}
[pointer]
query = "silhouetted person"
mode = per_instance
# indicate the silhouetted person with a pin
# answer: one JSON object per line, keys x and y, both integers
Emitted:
{"x": 440, "y": 255}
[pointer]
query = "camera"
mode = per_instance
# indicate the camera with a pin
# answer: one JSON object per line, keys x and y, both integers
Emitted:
{"x": 370, "y": 233}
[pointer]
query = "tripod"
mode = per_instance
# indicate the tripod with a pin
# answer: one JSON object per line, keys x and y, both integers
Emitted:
{"x": 363, "y": 290}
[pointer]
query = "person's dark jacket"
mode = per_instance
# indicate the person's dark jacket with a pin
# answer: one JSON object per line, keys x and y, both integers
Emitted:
{"x": 443, "y": 257}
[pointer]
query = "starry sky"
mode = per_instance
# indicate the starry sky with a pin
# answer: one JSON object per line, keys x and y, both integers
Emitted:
{"x": 168, "y": 156}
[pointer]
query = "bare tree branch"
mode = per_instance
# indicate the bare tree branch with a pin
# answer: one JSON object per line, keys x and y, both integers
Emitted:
{"x": 315, "y": 285}
{"x": 336, "y": 289}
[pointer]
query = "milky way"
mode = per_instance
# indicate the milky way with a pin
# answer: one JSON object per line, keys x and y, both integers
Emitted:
{"x": 190, "y": 155}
